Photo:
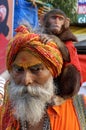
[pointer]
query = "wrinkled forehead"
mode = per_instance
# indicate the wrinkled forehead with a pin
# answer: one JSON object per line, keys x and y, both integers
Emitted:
{"x": 25, "y": 59}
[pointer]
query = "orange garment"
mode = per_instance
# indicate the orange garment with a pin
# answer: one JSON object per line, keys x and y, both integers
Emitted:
{"x": 63, "y": 117}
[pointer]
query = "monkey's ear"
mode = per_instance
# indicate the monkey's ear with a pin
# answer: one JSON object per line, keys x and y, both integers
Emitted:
{"x": 41, "y": 19}
{"x": 67, "y": 23}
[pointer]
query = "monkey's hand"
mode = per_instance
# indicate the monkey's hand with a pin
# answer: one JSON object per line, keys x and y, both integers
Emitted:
{"x": 45, "y": 38}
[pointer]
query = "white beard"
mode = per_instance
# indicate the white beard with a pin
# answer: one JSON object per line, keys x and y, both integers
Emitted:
{"x": 30, "y": 102}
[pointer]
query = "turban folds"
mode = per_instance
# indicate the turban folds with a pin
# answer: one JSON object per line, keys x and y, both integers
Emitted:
{"x": 48, "y": 53}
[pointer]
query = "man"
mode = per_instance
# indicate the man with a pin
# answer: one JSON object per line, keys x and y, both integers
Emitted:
{"x": 56, "y": 24}
{"x": 31, "y": 97}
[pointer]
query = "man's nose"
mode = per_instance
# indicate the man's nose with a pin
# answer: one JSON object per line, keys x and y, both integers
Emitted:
{"x": 28, "y": 78}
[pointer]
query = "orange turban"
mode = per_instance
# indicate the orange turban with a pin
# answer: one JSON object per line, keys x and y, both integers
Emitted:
{"x": 48, "y": 53}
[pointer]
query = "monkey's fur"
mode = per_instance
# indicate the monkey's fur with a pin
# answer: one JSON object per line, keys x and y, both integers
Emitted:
{"x": 68, "y": 83}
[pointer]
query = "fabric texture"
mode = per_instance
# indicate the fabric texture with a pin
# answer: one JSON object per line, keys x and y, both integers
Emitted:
{"x": 7, "y": 121}
{"x": 48, "y": 53}
{"x": 80, "y": 106}
{"x": 3, "y": 46}
{"x": 82, "y": 59}
{"x": 2, "y": 82}
{"x": 73, "y": 55}
{"x": 74, "y": 59}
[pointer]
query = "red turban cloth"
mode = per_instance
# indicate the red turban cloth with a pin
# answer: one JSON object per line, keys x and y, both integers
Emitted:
{"x": 48, "y": 53}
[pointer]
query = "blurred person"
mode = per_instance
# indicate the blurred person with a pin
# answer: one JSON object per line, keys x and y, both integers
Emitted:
{"x": 82, "y": 88}
{"x": 4, "y": 11}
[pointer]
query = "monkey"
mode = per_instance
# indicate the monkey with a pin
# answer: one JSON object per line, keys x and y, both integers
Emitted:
{"x": 59, "y": 28}
{"x": 55, "y": 24}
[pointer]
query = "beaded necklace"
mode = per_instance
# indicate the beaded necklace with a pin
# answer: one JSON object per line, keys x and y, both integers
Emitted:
{"x": 46, "y": 125}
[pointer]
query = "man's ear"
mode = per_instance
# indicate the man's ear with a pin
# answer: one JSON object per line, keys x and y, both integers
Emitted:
{"x": 67, "y": 23}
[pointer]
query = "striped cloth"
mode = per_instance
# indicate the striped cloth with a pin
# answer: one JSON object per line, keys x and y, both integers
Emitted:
{"x": 2, "y": 83}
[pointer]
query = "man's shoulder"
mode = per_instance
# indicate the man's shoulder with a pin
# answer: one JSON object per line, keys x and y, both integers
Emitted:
{"x": 80, "y": 101}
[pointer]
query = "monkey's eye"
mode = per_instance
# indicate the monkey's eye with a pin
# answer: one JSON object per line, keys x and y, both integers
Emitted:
{"x": 54, "y": 17}
{"x": 61, "y": 18}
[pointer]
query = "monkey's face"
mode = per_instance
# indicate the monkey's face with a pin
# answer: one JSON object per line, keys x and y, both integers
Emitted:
{"x": 56, "y": 23}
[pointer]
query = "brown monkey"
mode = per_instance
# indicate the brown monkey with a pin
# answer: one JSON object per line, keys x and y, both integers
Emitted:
{"x": 56, "y": 23}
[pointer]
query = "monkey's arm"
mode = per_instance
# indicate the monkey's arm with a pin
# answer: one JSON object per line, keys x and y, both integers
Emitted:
{"x": 68, "y": 81}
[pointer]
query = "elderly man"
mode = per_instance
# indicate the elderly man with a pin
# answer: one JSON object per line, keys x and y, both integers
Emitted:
{"x": 31, "y": 95}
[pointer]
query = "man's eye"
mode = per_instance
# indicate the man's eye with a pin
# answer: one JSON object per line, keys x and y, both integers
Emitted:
{"x": 18, "y": 69}
{"x": 35, "y": 69}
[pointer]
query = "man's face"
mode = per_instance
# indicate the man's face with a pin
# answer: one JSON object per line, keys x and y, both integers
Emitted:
{"x": 29, "y": 70}
{"x": 56, "y": 23}
{"x": 31, "y": 87}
